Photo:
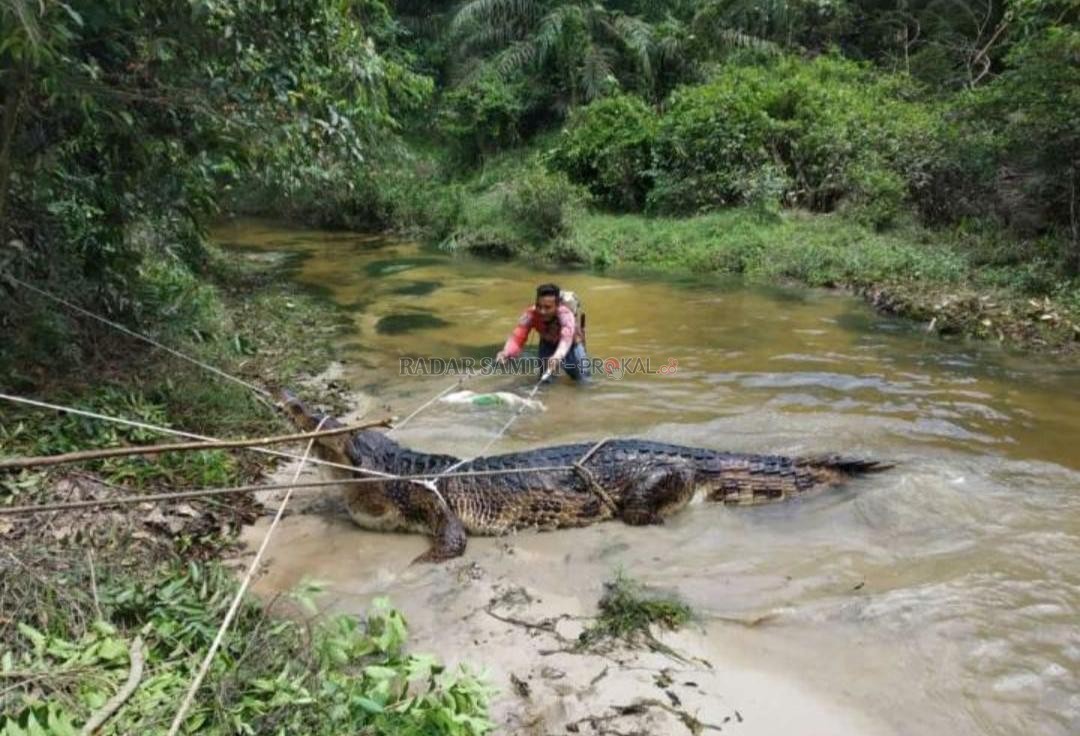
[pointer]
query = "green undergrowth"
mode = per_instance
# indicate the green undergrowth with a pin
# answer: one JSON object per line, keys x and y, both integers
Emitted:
{"x": 250, "y": 323}
{"x": 273, "y": 675}
{"x": 79, "y": 587}
{"x": 951, "y": 280}
{"x": 629, "y": 610}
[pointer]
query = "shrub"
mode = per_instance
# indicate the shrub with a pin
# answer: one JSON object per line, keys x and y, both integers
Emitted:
{"x": 712, "y": 137}
{"x": 832, "y": 128}
{"x": 483, "y": 116}
{"x": 875, "y": 195}
{"x": 607, "y": 147}
{"x": 539, "y": 202}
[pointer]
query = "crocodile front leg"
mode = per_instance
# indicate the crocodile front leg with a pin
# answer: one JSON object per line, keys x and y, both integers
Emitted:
{"x": 655, "y": 492}
{"x": 448, "y": 537}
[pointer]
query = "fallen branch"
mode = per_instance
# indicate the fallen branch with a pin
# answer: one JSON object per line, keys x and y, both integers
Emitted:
{"x": 71, "y": 457}
{"x": 138, "y": 656}
{"x": 640, "y": 707}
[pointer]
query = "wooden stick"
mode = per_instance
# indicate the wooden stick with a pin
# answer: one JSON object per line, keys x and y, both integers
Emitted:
{"x": 138, "y": 657}
{"x": 71, "y": 457}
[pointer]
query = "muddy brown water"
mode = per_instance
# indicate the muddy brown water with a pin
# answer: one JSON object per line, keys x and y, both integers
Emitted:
{"x": 940, "y": 597}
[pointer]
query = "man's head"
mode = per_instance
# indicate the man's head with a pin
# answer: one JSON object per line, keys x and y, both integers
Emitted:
{"x": 547, "y": 300}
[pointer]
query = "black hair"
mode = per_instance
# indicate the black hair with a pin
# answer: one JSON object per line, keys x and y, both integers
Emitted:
{"x": 548, "y": 290}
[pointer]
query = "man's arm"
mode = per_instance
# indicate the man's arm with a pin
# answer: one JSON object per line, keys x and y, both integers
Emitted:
{"x": 516, "y": 342}
{"x": 567, "y": 327}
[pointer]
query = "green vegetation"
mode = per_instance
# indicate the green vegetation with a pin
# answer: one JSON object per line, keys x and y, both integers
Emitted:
{"x": 338, "y": 674}
{"x": 923, "y": 154}
{"x": 127, "y": 126}
{"x": 96, "y": 581}
{"x": 628, "y": 611}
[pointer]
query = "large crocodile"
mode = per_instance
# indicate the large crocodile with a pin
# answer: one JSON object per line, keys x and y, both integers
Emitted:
{"x": 637, "y": 481}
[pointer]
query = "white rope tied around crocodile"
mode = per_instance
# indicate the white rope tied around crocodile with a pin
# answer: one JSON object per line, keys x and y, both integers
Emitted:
{"x": 376, "y": 476}
{"x": 498, "y": 434}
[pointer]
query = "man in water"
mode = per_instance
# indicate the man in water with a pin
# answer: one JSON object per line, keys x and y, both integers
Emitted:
{"x": 561, "y": 339}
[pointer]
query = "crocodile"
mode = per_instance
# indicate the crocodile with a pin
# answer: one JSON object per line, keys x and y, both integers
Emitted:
{"x": 636, "y": 481}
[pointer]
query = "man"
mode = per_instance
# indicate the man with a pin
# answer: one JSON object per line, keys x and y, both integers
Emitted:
{"x": 561, "y": 339}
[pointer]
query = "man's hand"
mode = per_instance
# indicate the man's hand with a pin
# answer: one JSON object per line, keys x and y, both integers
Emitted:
{"x": 551, "y": 365}
{"x": 500, "y": 357}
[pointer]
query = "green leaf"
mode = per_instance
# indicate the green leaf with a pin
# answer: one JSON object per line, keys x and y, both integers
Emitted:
{"x": 367, "y": 704}
{"x": 35, "y": 636}
{"x": 71, "y": 12}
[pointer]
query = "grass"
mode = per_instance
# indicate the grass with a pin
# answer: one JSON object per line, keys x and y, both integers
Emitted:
{"x": 965, "y": 282}
{"x": 818, "y": 250}
{"x": 628, "y": 611}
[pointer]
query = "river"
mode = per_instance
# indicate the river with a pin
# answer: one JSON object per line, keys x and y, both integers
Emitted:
{"x": 942, "y": 596}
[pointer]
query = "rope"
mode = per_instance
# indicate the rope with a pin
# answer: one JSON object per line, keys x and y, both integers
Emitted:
{"x": 307, "y": 485}
{"x": 590, "y": 479}
{"x": 188, "y": 435}
{"x": 194, "y": 361}
{"x": 426, "y": 404}
{"x": 501, "y": 431}
{"x": 185, "y": 706}
{"x": 111, "y": 452}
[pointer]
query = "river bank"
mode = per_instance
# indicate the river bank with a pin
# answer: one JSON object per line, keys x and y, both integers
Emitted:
{"x": 971, "y": 281}
{"x": 947, "y": 281}
{"x": 94, "y": 598}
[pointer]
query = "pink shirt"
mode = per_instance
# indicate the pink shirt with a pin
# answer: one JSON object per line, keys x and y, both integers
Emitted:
{"x": 562, "y": 330}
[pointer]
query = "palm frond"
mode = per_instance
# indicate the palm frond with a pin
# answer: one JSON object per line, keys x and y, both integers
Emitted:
{"x": 741, "y": 39}
{"x": 24, "y": 15}
{"x": 515, "y": 57}
{"x": 477, "y": 13}
{"x": 597, "y": 75}
{"x": 551, "y": 28}
{"x": 482, "y": 38}
{"x": 637, "y": 35}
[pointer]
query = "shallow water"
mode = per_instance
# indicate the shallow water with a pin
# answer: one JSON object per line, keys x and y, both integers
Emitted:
{"x": 942, "y": 596}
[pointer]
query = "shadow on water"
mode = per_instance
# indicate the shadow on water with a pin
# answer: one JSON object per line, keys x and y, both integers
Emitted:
{"x": 392, "y": 266}
{"x": 417, "y": 288}
{"x": 399, "y": 324}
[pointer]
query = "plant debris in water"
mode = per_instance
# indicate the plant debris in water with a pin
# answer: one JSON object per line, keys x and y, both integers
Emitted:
{"x": 628, "y": 610}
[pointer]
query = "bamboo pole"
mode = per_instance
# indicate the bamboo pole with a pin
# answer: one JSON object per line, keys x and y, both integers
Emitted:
{"x": 71, "y": 457}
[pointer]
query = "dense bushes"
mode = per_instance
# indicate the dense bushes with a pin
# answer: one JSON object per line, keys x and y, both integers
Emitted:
{"x": 836, "y": 131}
{"x": 607, "y": 147}
{"x": 122, "y": 119}
{"x": 817, "y": 134}
{"x": 483, "y": 116}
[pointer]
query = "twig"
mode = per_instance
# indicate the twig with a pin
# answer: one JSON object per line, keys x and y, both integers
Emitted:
{"x": 93, "y": 582}
{"x": 70, "y": 457}
{"x": 641, "y": 706}
{"x": 546, "y": 625}
{"x": 138, "y": 655}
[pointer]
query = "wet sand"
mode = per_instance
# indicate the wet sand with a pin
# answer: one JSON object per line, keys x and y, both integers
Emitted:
{"x": 503, "y": 606}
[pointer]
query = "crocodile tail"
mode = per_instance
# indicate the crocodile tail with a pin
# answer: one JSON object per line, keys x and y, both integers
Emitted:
{"x": 784, "y": 478}
{"x": 846, "y": 465}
